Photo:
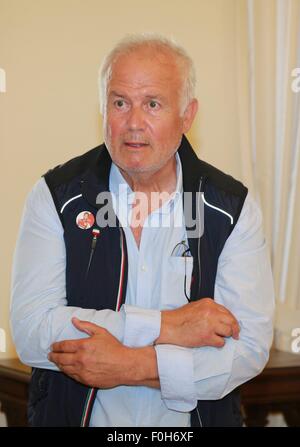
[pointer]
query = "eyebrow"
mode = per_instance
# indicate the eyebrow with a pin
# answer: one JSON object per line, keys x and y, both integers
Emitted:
{"x": 159, "y": 97}
{"x": 113, "y": 93}
{"x": 155, "y": 96}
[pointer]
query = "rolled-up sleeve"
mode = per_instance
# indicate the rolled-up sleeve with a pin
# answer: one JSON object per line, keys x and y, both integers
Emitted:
{"x": 176, "y": 374}
{"x": 142, "y": 326}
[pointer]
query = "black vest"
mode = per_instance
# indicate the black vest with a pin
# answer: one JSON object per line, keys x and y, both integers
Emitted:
{"x": 54, "y": 398}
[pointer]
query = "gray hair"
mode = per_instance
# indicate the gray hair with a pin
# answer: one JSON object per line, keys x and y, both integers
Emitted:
{"x": 161, "y": 44}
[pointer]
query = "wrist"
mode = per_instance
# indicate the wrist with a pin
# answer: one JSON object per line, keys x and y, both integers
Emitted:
{"x": 140, "y": 366}
{"x": 167, "y": 328}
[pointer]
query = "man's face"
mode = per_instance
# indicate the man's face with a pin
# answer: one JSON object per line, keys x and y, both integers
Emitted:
{"x": 142, "y": 124}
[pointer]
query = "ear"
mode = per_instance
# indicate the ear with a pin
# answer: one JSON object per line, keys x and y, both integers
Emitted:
{"x": 189, "y": 115}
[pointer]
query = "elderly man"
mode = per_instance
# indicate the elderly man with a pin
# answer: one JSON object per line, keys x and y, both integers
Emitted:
{"x": 143, "y": 322}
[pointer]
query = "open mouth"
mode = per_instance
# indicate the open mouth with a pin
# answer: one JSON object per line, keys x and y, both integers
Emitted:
{"x": 135, "y": 145}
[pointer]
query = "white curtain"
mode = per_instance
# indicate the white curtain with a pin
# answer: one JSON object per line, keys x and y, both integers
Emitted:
{"x": 268, "y": 59}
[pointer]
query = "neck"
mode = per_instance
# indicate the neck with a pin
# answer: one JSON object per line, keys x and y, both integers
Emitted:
{"x": 163, "y": 180}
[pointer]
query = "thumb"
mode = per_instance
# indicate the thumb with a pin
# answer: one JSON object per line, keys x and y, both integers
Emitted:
{"x": 85, "y": 326}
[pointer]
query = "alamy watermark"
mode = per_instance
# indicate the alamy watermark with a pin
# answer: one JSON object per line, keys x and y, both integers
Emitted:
{"x": 2, "y": 81}
{"x": 296, "y": 82}
{"x": 2, "y": 340}
{"x": 295, "y": 345}
{"x": 193, "y": 210}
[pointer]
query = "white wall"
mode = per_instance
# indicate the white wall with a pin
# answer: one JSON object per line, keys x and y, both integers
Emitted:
{"x": 51, "y": 51}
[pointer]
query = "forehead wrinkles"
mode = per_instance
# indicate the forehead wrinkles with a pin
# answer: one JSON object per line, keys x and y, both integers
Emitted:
{"x": 144, "y": 70}
{"x": 137, "y": 89}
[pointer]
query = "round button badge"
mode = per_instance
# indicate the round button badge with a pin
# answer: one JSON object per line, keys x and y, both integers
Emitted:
{"x": 85, "y": 220}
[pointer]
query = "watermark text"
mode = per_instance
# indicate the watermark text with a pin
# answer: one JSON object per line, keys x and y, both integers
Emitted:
{"x": 295, "y": 346}
{"x": 134, "y": 209}
{"x": 2, "y": 340}
{"x": 2, "y": 81}
{"x": 296, "y": 82}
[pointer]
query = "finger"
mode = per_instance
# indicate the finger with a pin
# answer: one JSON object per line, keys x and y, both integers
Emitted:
{"x": 224, "y": 330}
{"x": 226, "y": 311}
{"x": 234, "y": 327}
{"x": 236, "y": 331}
{"x": 226, "y": 316}
{"x": 217, "y": 341}
{"x": 86, "y": 326}
{"x": 67, "y": 346}
{"x": 229, "y": 319}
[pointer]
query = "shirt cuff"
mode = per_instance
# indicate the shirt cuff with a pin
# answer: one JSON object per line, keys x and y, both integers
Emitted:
{"x": 176, "y": 374}
{"x": 142, "y": 326}
{"x": 210, "y": 361}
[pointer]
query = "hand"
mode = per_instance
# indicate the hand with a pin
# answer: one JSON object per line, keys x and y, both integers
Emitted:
{"x": 97, "y": 361}
{"x": 200, "y": 323}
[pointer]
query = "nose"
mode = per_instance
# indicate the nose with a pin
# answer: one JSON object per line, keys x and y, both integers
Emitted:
{"x": 135, "y": 120}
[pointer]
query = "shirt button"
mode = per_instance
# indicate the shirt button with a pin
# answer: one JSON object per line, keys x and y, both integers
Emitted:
{"x": 144, "y": 268}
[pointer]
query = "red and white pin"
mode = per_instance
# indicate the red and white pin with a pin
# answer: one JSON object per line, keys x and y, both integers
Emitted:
{"x": 85, "y": 220}
{"x": 95, "y": 232}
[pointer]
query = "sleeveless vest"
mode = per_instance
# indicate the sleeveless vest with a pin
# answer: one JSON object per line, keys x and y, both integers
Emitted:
{"x": 97, "y": 279}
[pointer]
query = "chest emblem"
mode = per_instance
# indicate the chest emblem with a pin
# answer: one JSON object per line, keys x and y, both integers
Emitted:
{"x": 85, "y": 220}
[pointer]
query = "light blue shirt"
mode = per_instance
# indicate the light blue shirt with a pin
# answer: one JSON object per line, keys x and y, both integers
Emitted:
{"x": 39, "y": 315}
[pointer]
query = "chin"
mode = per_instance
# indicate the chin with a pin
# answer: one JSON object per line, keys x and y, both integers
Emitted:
{"x": 137, "y": 168}
{"x": 135, "y": 165}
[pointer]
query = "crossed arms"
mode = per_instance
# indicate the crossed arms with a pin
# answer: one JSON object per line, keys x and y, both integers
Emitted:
{"x": 102, "y": 361}
{"x": 189, "y": 338}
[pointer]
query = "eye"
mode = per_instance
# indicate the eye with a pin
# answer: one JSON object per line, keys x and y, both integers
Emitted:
{"x": 119, "y": 103}
{"x": 153, "y": 105}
